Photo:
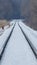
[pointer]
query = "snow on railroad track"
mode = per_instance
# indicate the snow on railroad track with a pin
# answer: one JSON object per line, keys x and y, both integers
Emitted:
{"x": 32, "y": 39}
{"x": 18, "y": 52}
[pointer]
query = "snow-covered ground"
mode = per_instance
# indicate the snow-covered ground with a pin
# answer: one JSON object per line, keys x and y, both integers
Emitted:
{"x": 6, "y": 27}
{"x": 4, "y": 37}
{"x": 1, "y": 31}
{"x": 18, "y": 52}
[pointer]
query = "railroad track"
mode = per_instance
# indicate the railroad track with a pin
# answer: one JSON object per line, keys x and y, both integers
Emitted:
{"x": 6, "y": 42}
{"x": 19, "y": 49}
{"x": 29, "y": 42}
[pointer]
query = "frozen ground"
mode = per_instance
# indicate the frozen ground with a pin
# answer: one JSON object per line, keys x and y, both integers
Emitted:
{"x": 18, "y": 52}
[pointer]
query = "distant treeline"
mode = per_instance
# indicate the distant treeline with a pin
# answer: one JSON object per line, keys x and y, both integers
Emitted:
{"x": 12, "y": 9}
